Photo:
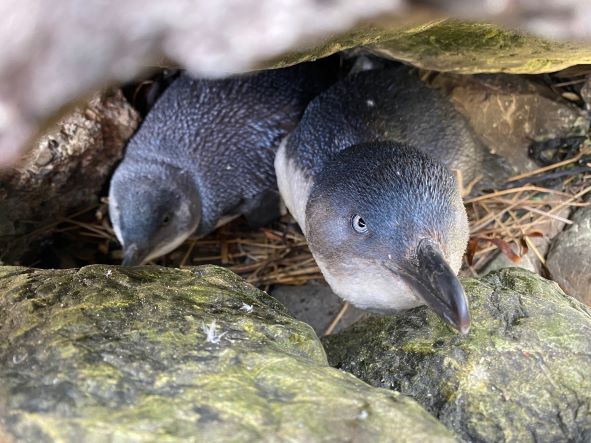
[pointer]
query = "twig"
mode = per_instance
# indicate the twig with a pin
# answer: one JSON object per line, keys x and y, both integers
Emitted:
{"x": 336, "y": 319}
{"x": 546, "y": 168}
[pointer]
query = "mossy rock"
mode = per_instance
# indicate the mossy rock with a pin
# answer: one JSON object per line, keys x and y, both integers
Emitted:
{"x": 451, "y": 45}
{"x": 155, "y": 354}
{"x": 522, "y": 374}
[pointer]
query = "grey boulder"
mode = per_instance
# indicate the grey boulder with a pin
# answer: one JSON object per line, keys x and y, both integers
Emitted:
{"x": 522, "y": 373}
{"x": 569, "y": 258}
{"x": 106, "y": 354}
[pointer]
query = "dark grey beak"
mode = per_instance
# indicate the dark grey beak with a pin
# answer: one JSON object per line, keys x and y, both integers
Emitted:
{"x": 132, "y": 256}
{"x": 435, "y": 282}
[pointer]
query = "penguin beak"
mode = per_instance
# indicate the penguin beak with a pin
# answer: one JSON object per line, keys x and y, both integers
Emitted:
{"x": 132, "y": 255}
{"x": 434, "y": 281}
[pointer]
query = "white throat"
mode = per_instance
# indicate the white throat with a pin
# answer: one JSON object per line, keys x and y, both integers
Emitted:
{"x": 369, "y": 286}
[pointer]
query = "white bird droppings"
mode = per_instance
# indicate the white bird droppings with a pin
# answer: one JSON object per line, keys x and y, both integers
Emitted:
{"x": 212, "y": 335}
{"x": 246, "y": 308}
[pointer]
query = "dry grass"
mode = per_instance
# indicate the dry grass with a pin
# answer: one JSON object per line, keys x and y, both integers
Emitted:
{"x": 506, "y": 220}
{"x": 266, "y": 256}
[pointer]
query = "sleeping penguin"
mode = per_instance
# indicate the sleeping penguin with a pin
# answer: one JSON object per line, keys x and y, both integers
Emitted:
{"x": 367, "y": 175}
{"x": 204, "y": 154}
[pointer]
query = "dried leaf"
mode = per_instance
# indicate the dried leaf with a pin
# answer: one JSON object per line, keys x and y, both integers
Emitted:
{"x": 524, "y": 247}
{"x": 504, "y": 247}
{"x": 471, "y": 250}
{"x": 535, "y": 233}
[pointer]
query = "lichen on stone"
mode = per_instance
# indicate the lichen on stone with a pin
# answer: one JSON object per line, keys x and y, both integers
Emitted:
{"x": 521, "y": 374}
{"x": 450, "y": 45}
{"x": 126, "y": 354}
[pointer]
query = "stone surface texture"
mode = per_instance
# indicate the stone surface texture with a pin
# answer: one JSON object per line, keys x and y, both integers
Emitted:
{"x": 521, "y": 374}
{"x": 64, "y": 172}
{"x": 569, "y": 258}
{"x": 315, "y": 303}
{"x": 508, "y": 112}
{"x": 105, "y": 354}
{"x": 58, "y": 52}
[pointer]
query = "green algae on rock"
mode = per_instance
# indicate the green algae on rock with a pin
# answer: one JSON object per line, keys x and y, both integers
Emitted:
{"x": 450, "y": 45}
{"x": 154, "y": 354}
{"x": 521, "y": 374}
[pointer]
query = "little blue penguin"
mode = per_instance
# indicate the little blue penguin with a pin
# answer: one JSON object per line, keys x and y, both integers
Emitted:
{"x": 367, "y": 175}
{"x": 205, "y": 153}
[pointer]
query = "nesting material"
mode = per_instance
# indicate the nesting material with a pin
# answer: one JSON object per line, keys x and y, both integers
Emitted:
{"x": 511, "y": 218}
{"x": 506, "y": 219}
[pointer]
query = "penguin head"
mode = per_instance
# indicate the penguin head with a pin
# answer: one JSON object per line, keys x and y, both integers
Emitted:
{"x": 387, "y": 227}
{"x": 152, "y": 210}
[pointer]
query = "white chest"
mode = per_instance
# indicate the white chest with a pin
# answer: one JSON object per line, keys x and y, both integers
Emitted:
{"x": 293, "y": 184}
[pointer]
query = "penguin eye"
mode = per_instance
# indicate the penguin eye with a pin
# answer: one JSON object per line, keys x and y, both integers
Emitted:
{"x": 359, "y": 224}
{"x": 165, "y": 220}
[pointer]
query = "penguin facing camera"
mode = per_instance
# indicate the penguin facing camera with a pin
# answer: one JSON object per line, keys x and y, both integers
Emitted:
{"x": 367, "y": 175}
